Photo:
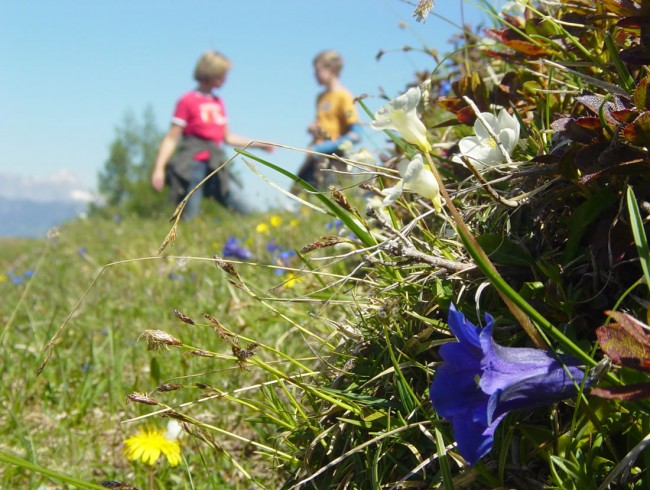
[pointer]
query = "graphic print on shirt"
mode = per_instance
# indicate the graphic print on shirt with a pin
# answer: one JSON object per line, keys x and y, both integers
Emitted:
{"x": 211, "y": 114}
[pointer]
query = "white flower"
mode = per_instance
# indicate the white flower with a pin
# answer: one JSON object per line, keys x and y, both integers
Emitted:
{"x": 400, "y": 114}
{"x": 417, "y": 178}
{"x": 362, "y": 156}
{"x": 514, "y": 8}
{"x": 482, "y": 149}
{"x": 174, "y": 429}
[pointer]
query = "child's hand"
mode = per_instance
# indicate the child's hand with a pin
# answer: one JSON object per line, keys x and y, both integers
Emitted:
{"x": 158, "y": 179}
{"x": 314, "y": 129}
{"x": 264, "y": 147}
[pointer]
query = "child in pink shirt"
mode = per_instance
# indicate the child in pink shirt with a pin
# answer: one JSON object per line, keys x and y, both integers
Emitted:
{"x": 201, "y": 126}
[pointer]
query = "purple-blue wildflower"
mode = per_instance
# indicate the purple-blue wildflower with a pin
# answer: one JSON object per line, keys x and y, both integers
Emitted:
{"x": 336, "y": 224}
{"x": 480, "y": 382}
{"x": 272, "y": 246}
{"x": 234, "y": 250}
{"x": 283, "y": 259}
{"x": 17, "y": 279}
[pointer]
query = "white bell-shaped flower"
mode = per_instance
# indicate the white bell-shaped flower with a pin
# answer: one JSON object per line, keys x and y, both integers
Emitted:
{"x": 400, "y": 114}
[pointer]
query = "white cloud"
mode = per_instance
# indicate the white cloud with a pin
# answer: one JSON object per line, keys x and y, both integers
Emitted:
{"x": 59, "y": 186}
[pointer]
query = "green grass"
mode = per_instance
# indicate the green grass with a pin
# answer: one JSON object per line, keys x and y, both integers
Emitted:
{"x": 72, "y": 416}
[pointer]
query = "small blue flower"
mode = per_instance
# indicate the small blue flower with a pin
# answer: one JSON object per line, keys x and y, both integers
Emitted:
{"x": 18, "y": 279}
{"x": 337, "y": 224}
{"x": 445, "y": 88}
{"x": 272, "y": 246}
{"x": 82, "y": 251}
{"x": 234, "y": 250}
{"x": 283, "y": 259}
{"x": 286, "y": 255}
{"x": 480, "y": 382}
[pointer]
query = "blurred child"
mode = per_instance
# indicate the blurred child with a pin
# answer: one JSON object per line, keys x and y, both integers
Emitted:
{"x": 201, "y": 126}
{"x": 336, "y": 122}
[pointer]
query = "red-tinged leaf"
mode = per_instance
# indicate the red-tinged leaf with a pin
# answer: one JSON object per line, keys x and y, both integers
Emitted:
{"x": 451, "y": 104}
{"x": 590, "y": 123}
{"x": 525, "y": 47}
{"x": 635, "y": 22}
{"x": 626, "y": 342}
{"x": 642, "y": 94}
{"x": 630, "y": 392}
{"x": 624, "y": 116}
{"x": 516, "y": 41}
{"x": 510, "y": 58}
{"x": 638, "y": 131}
{"x": 466, "y": 115}
{"x": 496, "y": 34}
{"x": 584, "y": 129}
{"x": 597, "y": 104}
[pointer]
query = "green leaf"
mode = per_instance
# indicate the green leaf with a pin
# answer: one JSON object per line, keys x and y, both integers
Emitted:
{"x": 8, "y": 458}
{"x": 504, "y": 251}
{"x": 582, "y": 217}
{"x": 638, "y": 231}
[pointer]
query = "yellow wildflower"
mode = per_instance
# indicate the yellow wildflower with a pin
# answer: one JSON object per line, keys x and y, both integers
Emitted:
{"x": 291, "y": 280}
{"x": 294, "y": 223}
{"x": 149, "y": 443}
{"x": 262, "y": 228}
{"x": 3, "y": 278}
{"x": 275, "y": 221}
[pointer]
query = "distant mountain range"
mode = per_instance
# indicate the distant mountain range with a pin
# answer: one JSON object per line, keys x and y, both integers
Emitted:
{"x": 33, "y": 219}
{"x": 31, "y": 205}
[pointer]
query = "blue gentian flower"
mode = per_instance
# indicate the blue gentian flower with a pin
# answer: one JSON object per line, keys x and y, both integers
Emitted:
{"x": 481, "y": 381}
{"x": 234, "y": 250}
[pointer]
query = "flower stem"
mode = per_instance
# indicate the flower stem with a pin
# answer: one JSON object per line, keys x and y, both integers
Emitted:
{"x": 484, "y": 262}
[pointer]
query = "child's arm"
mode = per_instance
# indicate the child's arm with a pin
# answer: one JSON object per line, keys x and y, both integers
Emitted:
{"x": 241, "y": 141}
{"x": 353, "y": 136}
{"x": 165, "y": 152}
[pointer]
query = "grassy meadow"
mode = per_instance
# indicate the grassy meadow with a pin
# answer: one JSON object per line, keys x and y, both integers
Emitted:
{"x": 103, "y": 283}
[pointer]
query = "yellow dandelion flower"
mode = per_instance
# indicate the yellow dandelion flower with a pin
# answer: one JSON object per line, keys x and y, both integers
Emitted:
{"x": 291, "y": 280}
{"x": 275, "y": 221}
{"x": 294, "y": 223}
{"x": 149, "y": 443}
{"x": 262, "y": 228}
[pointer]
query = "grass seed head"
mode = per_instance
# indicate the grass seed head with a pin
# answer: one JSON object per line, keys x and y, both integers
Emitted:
{"x": 158, "y": 339}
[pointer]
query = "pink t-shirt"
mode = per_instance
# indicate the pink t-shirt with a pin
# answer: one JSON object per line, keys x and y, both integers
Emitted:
{"x": 201, "y": 116}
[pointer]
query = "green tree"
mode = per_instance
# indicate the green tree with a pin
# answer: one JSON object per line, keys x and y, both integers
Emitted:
{"x": 124, "y": 180}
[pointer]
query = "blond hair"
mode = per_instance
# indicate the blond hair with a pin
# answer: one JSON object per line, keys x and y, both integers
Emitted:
{"x": 211, "y": 65}
{"x": 331, "y": 59}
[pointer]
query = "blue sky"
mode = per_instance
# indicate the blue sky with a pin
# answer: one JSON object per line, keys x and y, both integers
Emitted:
{"x": 71, "y": 69}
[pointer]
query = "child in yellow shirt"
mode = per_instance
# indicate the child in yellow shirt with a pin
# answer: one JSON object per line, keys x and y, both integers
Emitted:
{"x": 336, "y": 120}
